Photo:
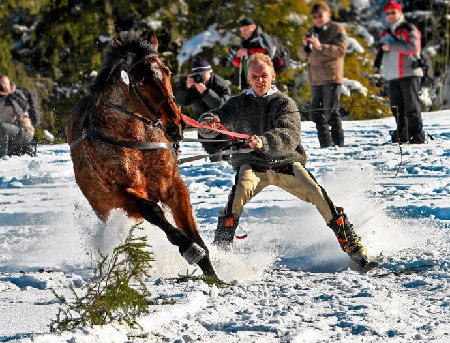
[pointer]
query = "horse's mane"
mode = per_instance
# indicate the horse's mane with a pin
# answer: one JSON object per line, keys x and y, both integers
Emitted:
{"x": 130, "y": 47}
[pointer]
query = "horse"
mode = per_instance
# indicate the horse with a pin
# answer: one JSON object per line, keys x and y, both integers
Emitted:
{"x": 123, "y": 137}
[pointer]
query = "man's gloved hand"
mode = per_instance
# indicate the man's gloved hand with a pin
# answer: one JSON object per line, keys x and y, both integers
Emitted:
{"x": 255, "y": 142}
{"x": 211, "y": 121}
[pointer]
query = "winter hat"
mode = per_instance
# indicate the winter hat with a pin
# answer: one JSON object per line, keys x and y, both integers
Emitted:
{"x": 392, "y": 5}
{"x": 246, "y": 22}
{"x": 200, "y": 65}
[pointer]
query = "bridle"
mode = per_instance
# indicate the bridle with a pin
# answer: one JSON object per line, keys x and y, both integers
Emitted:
{"x": 153, "y": 114}
{"x": 155, "y": 120}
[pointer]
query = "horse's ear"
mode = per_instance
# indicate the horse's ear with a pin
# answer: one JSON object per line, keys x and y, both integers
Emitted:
{"x": 118, "y": 42}
{"x": 154, "y": 41}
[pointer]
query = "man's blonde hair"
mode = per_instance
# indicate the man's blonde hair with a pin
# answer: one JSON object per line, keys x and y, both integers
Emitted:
{"x": 258, "y": 59}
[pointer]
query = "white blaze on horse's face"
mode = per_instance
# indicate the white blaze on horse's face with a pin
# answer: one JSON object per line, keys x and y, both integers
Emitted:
{"x": 125, "y": 77}
{"x": 156, "y": 70}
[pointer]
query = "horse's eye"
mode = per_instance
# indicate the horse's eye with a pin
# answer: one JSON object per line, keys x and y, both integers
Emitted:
{"x": 140, "y": 83}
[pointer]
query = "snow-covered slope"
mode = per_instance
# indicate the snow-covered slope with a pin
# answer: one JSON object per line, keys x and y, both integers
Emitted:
{"x": 291, "y": 282}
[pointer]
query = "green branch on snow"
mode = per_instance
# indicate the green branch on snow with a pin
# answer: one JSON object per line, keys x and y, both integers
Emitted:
{"x": 116, "y": 292}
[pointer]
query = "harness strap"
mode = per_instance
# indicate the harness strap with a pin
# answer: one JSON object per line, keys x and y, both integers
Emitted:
{"x": 204, "y": 140}
{"x": 222, "y": 152}
{"x": 128, "y": 113}
{"x": 122, "y": 143}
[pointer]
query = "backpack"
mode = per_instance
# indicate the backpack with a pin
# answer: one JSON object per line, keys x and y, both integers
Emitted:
{"x": 282, "y": 58}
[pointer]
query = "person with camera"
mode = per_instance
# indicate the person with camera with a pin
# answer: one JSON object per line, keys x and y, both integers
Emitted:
{"x": 253, "y": 40}
{"x": 272, "y": 120}
{"x": 16, "y": 127}
{"x": 398, "y": 56}
{"x": 324, "y": 46}
{"x": 205, "y": 91}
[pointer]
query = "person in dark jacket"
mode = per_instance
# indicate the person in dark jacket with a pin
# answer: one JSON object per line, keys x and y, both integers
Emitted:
{"x": 208, "y": 93}
{"x": 324, "y": 46}
{"x": 400, "y": 43}
{"x": 16, "y": 128}
{"x": 272, "y": 120}
{"x": 254, "y": 40}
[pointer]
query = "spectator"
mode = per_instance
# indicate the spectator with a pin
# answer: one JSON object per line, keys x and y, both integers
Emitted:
{"x": 273, "y": 122}
{"x": 400, "y": 45}
{"x": 324, "y": 46}
{"x": 205, "y": 91}
{"x": 16, "y": 127}
{"x": 253, "y": 40}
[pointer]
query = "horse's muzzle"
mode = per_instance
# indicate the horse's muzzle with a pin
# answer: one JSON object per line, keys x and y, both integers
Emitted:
{"x": 174, "y": 133}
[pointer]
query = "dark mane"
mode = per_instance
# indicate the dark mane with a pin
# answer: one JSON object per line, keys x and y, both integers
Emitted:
{"x": 130, "y": 47}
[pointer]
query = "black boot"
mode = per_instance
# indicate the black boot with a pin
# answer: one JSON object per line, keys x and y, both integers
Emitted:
{"x": 349, "y": 241}
{"x": 226, "y": 227}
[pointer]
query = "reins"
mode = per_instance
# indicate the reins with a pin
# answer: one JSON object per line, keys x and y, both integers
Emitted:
{"x": 222, "y": 129}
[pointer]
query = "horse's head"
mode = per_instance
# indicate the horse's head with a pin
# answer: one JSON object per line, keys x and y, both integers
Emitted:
{"x": 150, "y": 90}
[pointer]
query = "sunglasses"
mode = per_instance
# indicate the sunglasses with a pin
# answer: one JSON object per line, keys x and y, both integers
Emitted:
{"x": 390, "y": 12}
{"x": 317, "y": 16}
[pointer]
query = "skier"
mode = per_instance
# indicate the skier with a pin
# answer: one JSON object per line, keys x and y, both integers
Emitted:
{"x": 272, "y": 120}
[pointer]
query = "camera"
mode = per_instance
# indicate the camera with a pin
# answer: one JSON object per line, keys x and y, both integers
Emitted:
{"x": 309, "y": 47}
{"x": 198, "y": 78}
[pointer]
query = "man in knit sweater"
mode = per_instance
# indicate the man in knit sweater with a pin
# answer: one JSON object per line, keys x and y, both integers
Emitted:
{"x": 272, "y": 120}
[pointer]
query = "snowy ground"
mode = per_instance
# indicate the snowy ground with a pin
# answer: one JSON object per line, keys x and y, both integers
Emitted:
{"x": 291, "y": 282}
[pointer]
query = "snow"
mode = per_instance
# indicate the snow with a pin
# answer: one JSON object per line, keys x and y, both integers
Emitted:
{"x": 290, "y": 281}
{"x": 353, "y": 45}
{"x": 350, "y": 85}
{"x": 207, "y": 38}
{"x": 362, "y": 31}
{"x": 360, "y": 4}
{"x": 298, "y": 19}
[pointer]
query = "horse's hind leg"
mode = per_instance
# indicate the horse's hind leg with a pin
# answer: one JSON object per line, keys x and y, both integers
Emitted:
{"x": 181, "y": 208}
{"x": 189, "y": 249}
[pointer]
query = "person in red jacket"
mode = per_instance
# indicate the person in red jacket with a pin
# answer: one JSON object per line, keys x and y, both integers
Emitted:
{"x": 400, "y": 44}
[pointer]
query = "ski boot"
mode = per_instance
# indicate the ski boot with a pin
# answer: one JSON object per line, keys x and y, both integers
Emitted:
{"x": 226, "y": 227}
{"x": 349, "y": 241}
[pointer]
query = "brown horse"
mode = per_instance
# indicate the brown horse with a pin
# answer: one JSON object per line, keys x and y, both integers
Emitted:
{"x": 121, "y": 137}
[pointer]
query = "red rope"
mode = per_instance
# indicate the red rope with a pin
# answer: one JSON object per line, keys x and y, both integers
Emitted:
{"x": 223, "y": 130}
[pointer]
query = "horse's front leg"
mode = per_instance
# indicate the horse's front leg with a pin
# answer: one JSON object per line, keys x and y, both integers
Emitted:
{"x": 180, "y": 205}
{"x": 150, "y": 211}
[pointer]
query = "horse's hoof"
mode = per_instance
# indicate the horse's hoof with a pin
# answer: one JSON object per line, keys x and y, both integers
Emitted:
{"x": 194, "y": 253}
